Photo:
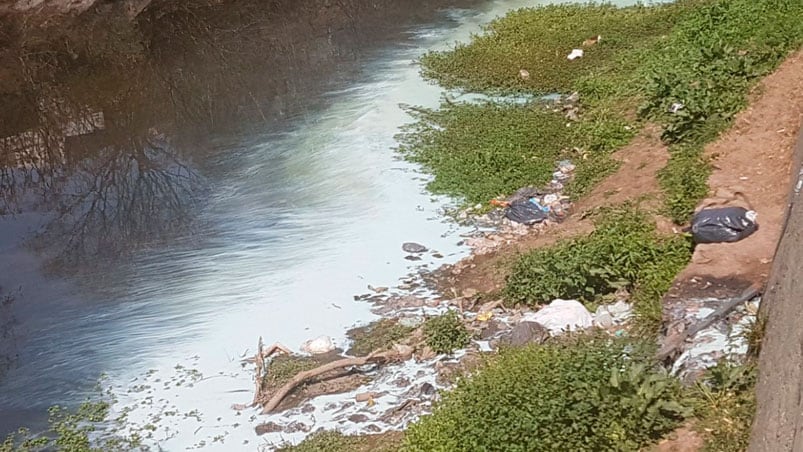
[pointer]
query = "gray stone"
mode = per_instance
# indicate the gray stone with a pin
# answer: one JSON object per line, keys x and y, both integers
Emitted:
{"x": 412, "y": 247}
{"x": 268, "y": 427}
{"x": 527, "y": 333}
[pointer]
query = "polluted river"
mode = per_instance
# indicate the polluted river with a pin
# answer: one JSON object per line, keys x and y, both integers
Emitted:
{"x": 207, "y": 182}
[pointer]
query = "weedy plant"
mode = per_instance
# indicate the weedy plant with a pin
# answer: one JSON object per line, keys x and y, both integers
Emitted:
{"x": 74, "y": 431}
{"x": 624, "y": 251}
{"x": 446, "y": 333}
{"x": 581, "y": 393}
{"x": 725, "y": 403}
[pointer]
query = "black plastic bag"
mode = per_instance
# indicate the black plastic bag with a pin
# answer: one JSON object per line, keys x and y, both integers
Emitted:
{"x": 725, "y": 224}
{"x": 525, "y": 212}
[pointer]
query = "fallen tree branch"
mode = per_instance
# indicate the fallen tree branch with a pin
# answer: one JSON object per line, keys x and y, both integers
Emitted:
{"x": 673, "y": 342}
{"x": 301, "y": 377}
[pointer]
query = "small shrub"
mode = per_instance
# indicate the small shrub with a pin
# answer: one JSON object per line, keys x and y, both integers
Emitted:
{"x": 580, "y": 394}
{"x": 446, "y": 333}
{"x": 624, "y": 251}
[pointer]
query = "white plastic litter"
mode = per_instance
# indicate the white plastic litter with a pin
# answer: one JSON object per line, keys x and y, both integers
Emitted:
{"x": 575, "y": 54}
{"x": 561, "y": 316}
{"x": 319, "y": 345}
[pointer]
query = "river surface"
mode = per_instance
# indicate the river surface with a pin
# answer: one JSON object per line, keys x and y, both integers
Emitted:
{"x": 161, "y": 253}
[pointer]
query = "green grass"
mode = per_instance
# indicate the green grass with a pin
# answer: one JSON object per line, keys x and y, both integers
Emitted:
{"x": 709, "y": 64}
{"x": 725, "y": 404}
{"x": 379, "y": 335}
{"x": 478, "y": 152}
{"x": 333, "y": 441}
{"x": 539, "y": 40}
{"x": 584, "y": 393}
{"x": 446, "y": 333}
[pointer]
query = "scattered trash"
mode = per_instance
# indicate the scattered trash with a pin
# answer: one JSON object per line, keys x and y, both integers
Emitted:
{"x": 566, "y": 166}
{"x": 560, "y": 176}
{"x": 499, "y": 203}
{"x": 676, "y": 107}
{"x": 551, "y": 199}
{"x": 561, "y": 316}
{"x": 485, "y": 316}
{"x": 591, "y": 41}
{"x": 524, "y": 74}
{"x": 607, "y": 316}
{"x": 725, "y": 224}
{"x": 575, "y": 54}
{"x": 603, "y": 319}
{"x": 318, "y": 346}
{"x": 412, "y": 247}
{"x": 536, "y": 203}
{"x": 526, "y": 212}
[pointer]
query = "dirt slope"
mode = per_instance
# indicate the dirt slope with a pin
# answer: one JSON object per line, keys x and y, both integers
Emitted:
{"x": 754, "y": 158}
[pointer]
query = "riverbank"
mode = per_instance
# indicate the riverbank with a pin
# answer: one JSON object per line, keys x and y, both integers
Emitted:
{"x": 747, "y": 164}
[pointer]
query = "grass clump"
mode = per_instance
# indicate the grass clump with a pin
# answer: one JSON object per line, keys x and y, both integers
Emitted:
{"x": 480, "y": 151}
{"x": 333, "y": 441}
{"x": 446, "y": 333}
{"x": 284, "y": 367}
{"x": 625, "y": 251}
{"x": 584, "y": 393}
{"x": 539, "y": 39}
{"x": 725, "y": 404}
{"x": 379, "y": 335}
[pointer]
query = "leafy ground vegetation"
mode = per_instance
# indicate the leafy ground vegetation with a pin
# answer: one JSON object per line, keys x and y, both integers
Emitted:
{"x": 585, "y": 393}
{"x": 624, "y": 252}
{"x": 73, "y": 431}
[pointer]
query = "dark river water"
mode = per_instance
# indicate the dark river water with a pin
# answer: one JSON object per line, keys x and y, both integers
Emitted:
{"x": 175, "y": 187}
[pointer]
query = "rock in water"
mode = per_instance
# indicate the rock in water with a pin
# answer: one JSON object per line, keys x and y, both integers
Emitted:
{"x": 318, "y": 346}
{"x": 412, "y": 247}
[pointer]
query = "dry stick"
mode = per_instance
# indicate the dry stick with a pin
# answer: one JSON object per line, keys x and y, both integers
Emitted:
{"x": 261, "y": 367}
{"x": 673, "y": 343}
{"x": 260, "y": 364}
{"x": 301, "y": 377}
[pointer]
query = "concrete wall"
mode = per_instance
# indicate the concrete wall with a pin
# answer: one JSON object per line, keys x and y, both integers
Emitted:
{"x": 778, "y": 425}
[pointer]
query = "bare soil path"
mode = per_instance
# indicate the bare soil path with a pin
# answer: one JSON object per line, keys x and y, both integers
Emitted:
{"x": 754, "y": 158}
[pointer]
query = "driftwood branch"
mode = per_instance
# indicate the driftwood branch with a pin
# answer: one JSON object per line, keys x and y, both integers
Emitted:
{"x": 373, "y": 358}
{"x": 673, "y": 342}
